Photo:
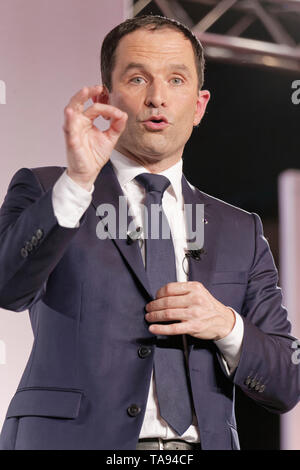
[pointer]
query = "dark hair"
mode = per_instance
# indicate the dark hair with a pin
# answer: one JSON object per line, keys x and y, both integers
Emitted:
{"x": 151, "y": 22}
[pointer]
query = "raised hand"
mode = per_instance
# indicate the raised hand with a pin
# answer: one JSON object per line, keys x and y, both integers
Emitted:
{"x": 89, "y": 148}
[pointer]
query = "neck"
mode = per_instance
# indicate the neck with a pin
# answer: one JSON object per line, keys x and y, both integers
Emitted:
{"x": 153, "y": 164}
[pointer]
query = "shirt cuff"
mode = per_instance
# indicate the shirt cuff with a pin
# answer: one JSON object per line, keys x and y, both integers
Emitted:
{"x": 69, "y": 201}
{"x": 230, "y": 346}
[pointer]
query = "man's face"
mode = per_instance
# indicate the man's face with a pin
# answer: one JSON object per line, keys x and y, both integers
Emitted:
{"x": 155, "y": 76}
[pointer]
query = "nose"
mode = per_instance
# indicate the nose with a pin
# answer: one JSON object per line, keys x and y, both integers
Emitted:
{"x": 156, "y": 94}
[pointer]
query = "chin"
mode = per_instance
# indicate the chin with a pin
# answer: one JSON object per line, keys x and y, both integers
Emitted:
{"x": 157, "y": 148}
{"x": 153, "y": 153}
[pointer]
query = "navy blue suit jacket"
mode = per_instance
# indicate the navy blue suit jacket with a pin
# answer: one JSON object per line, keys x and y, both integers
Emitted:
{"x": 86, "y": 300}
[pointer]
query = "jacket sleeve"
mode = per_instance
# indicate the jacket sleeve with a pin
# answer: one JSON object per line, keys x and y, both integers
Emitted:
{"x": 266, "y": 371}
{"x": 31, "y": 241}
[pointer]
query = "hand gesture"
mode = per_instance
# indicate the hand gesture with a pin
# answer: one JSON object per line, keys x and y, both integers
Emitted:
{"x": 88, "y": 148}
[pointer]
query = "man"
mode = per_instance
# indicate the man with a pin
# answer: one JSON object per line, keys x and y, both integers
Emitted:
{"x": 128, "y": 353}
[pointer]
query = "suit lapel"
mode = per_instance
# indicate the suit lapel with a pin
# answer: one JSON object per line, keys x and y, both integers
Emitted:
{"x": 202, "y": 270}
{"x": 107, "y": 191}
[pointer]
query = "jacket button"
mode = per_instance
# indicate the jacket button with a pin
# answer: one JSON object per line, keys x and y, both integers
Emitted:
{"x": 133, "y": 410}
{"x": 24, "y": 253}
{"x": 28, "y": 246}
{"x": 257, "y": 387}
{"x": 248, "y": 380}
{"x": 39, "y": 233}
{"x": 253, "y": 383}
{"x": 34, "y": 240}
{"x": 144, "y": 351}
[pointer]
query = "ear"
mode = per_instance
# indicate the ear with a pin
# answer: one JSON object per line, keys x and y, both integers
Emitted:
{"x": 103, "y": 97}
{"x": 202, "y": 101}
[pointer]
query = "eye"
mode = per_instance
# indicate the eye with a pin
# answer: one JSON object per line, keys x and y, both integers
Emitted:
{"x": 137, "y": 80}
{"x": 177, "y": 80}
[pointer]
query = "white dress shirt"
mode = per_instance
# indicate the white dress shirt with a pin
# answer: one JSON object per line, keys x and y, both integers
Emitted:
{"x": 70, "y": 201}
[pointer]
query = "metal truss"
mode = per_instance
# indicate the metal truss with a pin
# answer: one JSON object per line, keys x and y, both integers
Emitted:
{"x": 283, "y": 50}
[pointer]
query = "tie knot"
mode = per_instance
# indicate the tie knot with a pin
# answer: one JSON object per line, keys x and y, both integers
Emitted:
{"x": 151, "y": 182}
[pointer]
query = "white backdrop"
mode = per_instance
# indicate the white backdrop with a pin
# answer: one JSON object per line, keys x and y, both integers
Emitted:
{"x": 289, "y": 204}
{"x": 49, "y": 49}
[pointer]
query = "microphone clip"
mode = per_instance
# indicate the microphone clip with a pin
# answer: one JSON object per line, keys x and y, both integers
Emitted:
{"x": 134, "y": 235}
{"x": 195, "y": 253}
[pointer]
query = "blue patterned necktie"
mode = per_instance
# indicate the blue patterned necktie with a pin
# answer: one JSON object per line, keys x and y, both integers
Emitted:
{"x": 172, "y": 387}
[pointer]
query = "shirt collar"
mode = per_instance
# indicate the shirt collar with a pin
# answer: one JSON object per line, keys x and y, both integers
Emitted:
{"x": 127, "y": 169}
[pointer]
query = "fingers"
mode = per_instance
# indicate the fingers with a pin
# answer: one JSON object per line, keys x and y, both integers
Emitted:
{"x": 168, "y": 315}
{"x": 188, "y": 308}
{"x": 117, "y": 126}
{"x": 168, "y": 309}
{"x": 177, "y": 301}
{"x": 173, "y": 329}
{"x": 178, "y": 288}
{"x": 77, "y": 101}
{"x": 69, "y": 124}
{"x": 74, "y": 120}
{"x": 105, "y": 110}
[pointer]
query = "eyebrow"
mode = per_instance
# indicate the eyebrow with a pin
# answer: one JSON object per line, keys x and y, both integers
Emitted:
{"x": 137, "y": 65}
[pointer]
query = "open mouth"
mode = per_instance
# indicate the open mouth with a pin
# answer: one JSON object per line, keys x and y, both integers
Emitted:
{"x": 156, "y": 123}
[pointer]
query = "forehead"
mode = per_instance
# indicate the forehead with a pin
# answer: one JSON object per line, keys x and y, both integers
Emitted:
{"x": 161, "y": 45}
